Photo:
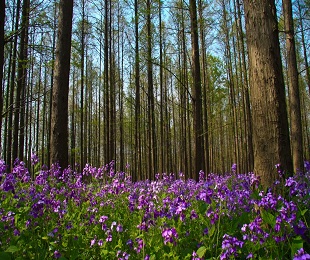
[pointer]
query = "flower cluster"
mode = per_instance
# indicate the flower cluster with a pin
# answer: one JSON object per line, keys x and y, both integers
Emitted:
{"x": 170, "y": 235}
{"x": 101, "y": 213}
{"x": 230, "y": 246}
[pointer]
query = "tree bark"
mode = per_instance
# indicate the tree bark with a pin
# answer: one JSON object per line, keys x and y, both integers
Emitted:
{"x": 137, "y": 149}
{"x": 303, "y": 43}
{"x": 294, "y": 96}
{"x": 2, "y": 19}
{"x": 151, "y": 104}
{"x": 9, "y": 159}
{"x": 18, "y": 134}
{"x": 59, "y": 121}
{"x": 196, "y": 93}
{"x": 270, "y": 131}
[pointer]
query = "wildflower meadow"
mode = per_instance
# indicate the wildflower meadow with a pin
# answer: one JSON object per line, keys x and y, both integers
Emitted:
{"x": 100, "y": 213}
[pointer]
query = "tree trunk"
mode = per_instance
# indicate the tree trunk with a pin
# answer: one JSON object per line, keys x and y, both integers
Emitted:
{"x": 151, "y": 104}
{"x": 294, "y": 97}
{"x": 59, "y": 121}
{"x": 303, "y": 43}
{"x": 205, "y": 87}
{"x": 2, "y": 19}
{"x": 9, "y": 159}
{"x": 82, "y": 107}
{"x": 137, "y": 149}
{"x": 245, "y": 85}
{"x": 52, "y": 84}
{"x": 18, "y": 134}
{"x": 270, "y": 132}
{"x": 196, "y": 93}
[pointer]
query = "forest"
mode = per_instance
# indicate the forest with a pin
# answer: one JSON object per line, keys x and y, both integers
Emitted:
{"x": 162, "y": 86}
{"x": 150, "y": 129}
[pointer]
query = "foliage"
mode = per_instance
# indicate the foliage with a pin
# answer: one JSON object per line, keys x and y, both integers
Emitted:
{"x": 102, "y": 214}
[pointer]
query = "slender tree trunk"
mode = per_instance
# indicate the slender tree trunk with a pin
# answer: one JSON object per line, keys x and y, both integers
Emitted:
{"x": 59, "y": 134}
{"x": 82, "y": 109}
{"x": 161, "y": 129}
{"x": 112, "y": 90}
{"x": 270, "y": 134}
{"x": 9, "y": 159}
{"x": 72, "y": 128}
{"x": 205, "y": 87}
{"x": 106, "y": 84}
{"x": 303, "y": 43}
{"x": 196, "y": 93}
{"x": 52, "y": 85}
{"x": 121, "y": 91}
{"x": 294, "y": 96}
{"x": 2, "y": 19}
{"x": 151, "y": 104}
{"x": 250, "y": 153}
{"x": 43, "y": 135}
{"x": 137, "y": 149}
{"x": 18, "y": 134}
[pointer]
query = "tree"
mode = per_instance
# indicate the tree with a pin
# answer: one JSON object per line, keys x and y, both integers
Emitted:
{"x": 18, "y": 133}
{"x": 269, "y": 112}
{"x": 2, "y": 19}
{"x": 137, "y": 153}
{"x": 197, "y": 97}
{"x": 59, "y": 121}
{"x": 11, "y": 87}
{"x": 152, "y": 169}
{"x": 294, "y": 97}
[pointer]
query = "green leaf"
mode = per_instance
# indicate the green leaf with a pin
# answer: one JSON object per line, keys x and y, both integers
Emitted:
{"x": 104, "y": 252}
{"x": 16, "y": 218}
{"x": 12, "y": 249}
{"x": 303, "y": 212}
{"x": 297, "y": 243}
{"x": 202, "y": 207}
{"x": 268, "y": 218}
{"x": 201, "y": 251}
{"x": 212, "y": 230}
{"x": 5, "y": 256}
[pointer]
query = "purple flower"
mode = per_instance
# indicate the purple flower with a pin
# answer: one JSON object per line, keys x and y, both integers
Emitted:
{"x": 8, "y": 184}
{"x": 102, "y": 219}
{"x": 230, "y": 245}
{"x": 34, "y": 159}
{"x": 301, "y": 255}
{"x": 100, "y": 242}
{"x": 140, "y": 245}
{"x": 113, "y": 225}
{"x": 307, "y": 166}
{"x": 195, "y": 256}
{"x": 109, "y": 237}
{"x": 92, "y": 242}
{"x": 119, "y": 228}
{"x": 2, "y": 169}
{"x": 234, "y": 168}
{"x": 300, "y": 228}
{"x": 279, "y": 169}
{"x": 129, "y": 243}
{"x": 16, "y": 232}
{"x": 193, "y": 214}
{"x": 169, "y": 235}
{"x": 57, "y": 254}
